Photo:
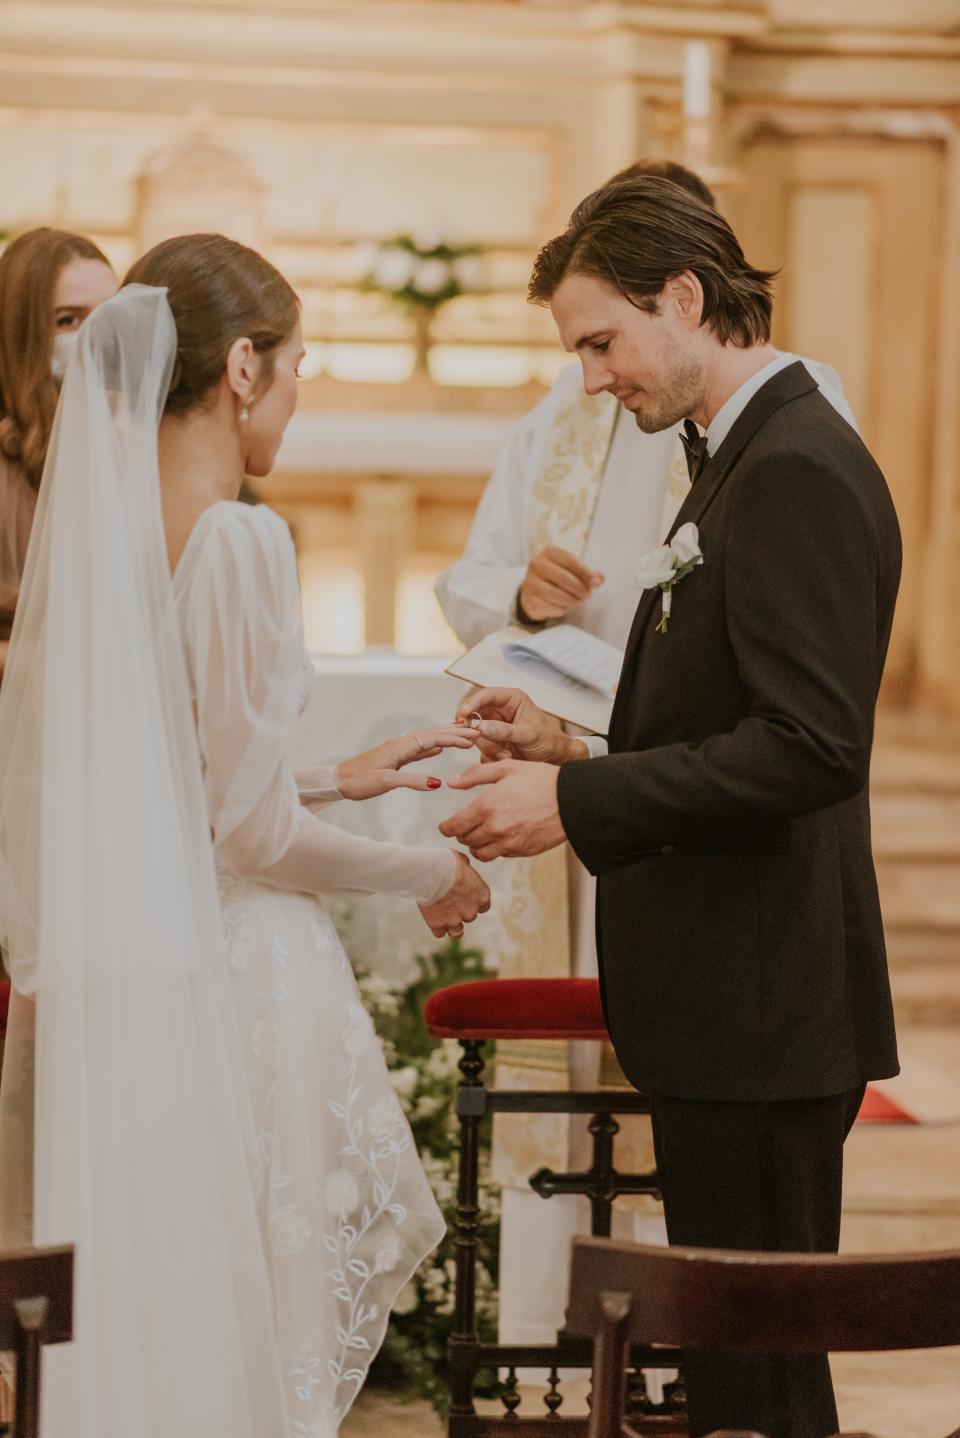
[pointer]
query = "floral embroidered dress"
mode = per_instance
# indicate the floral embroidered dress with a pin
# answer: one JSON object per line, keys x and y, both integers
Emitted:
{"x": 346, "y": 1212}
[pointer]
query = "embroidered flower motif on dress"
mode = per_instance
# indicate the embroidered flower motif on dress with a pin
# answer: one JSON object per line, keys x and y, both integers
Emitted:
{"x": 324, "y": 936}
{"x": 289, "y": 1229}
{"x": 342, "y": 1193}
{"x": 386, "y": 1121}
{"x": 379, "y": 1163}
{"x": 358, "y": 1032}
{"x": 389, "y": 1253}
{"x": 306, "y": 1373}
{"x": 308, "y": 677}
{"x": 280, "y": 958}
{"x": 240, "y": 936}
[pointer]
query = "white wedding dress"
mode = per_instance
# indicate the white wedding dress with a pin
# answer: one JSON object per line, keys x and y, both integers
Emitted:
{"x": 345, "y": 1209}
{"x": 192, "y": 1096}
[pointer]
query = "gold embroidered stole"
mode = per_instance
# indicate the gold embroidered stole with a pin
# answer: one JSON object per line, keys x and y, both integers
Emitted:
{"x": 567, "y": 487}
{"x": 536, "y": 921}
{"x": 536, "y": 917}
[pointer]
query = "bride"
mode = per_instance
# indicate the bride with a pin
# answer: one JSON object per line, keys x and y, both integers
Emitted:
{"x": 192, "y": 1093}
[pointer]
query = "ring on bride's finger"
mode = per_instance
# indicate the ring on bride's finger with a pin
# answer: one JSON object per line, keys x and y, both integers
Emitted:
{"x": 419, "y": 741}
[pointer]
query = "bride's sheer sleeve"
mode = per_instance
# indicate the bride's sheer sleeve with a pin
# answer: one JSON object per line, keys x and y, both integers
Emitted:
{"x": 245, "y": 651}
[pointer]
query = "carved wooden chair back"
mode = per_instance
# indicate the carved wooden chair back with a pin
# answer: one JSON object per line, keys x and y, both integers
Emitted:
{"x": 761, "y": 1303}
{"x": 36, "y": 1308}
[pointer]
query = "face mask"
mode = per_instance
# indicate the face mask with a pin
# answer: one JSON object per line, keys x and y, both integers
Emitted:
{"x": 63, "y": 347}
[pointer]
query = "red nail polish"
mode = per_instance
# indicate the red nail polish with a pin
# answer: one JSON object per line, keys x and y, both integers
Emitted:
{"x": 434, "y": 783}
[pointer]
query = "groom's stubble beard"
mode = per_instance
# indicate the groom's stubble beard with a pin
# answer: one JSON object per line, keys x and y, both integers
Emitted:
{"x": 677, "y": 397}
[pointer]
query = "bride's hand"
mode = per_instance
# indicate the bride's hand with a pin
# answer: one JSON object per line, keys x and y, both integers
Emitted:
{"x": 467, "y": 897}
{"x": 381, "y": 769}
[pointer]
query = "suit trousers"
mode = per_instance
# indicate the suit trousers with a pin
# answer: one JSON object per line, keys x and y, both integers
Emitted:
{"x": 765, "y": 1176}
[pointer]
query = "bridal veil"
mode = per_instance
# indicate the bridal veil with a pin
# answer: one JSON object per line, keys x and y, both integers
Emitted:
{"x": 109, "y": 916}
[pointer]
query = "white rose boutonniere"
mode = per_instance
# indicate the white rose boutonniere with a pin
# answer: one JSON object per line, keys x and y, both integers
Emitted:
{"x": 668, "y": 563}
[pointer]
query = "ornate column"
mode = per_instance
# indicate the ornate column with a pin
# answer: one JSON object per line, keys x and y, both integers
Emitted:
{"x": 938, "y": 636}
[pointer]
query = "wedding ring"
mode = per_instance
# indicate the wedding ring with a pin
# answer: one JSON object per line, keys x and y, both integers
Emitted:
{"x": 475, "y": 720}
{"x": 419, "y": 741}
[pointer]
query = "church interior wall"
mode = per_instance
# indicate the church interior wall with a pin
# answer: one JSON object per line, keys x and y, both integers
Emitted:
{"x": 831, "y": 138}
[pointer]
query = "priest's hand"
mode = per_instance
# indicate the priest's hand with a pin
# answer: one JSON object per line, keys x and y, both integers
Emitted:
{"x": 555, "y": 582}
{"x": 511, "y": 726}
{"x": 514, "y": 816}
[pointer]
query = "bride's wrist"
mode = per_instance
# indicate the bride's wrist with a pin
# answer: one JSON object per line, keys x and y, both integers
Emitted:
{"x": 442, "y": 876}
{"x": 322, "y": 785}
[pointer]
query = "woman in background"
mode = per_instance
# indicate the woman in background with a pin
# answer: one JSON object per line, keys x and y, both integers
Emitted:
{"x": 50, "y": 280}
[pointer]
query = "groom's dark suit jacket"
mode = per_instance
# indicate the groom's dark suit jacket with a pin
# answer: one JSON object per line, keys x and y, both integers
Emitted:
{"x": 738, "y": 926}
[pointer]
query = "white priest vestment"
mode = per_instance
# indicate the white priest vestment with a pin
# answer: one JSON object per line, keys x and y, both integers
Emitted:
{"x": 576, "y": 472}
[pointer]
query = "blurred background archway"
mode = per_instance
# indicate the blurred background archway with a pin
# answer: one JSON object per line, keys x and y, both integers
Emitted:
{"x": 322, "y": 130}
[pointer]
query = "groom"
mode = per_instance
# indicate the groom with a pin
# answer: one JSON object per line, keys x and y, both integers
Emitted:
{"x": 741, "y": 949}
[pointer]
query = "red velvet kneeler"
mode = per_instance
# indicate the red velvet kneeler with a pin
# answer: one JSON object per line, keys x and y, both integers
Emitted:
{"x": 517, "y": 1009}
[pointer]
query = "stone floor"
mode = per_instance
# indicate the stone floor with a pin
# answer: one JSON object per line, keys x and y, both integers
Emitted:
{"x": 902, "y": 1192}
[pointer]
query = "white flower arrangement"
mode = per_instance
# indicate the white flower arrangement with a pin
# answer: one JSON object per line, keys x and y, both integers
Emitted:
{"x": 665, "y": 566}
{"x": 422, "y": 271}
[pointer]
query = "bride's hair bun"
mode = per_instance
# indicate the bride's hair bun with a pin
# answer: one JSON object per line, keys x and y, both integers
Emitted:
{"x": 219, "y": 291}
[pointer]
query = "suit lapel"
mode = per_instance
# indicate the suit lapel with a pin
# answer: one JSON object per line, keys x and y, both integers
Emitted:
{"x": 786, "y": 385}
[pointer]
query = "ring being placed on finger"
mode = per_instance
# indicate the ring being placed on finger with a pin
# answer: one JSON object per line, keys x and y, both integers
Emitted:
{"x": 475, "y": 720}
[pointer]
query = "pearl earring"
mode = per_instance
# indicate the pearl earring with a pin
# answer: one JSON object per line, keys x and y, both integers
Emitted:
{"x": 245, "y": 412}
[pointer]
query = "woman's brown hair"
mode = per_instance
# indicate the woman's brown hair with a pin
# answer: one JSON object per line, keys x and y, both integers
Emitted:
{"x": 638, "y": 234}
{"x": 219, "y": 291}
{"x": 29, "y": 269}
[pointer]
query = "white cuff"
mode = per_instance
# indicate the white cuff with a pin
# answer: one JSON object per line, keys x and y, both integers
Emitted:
{"x": 597, "y": 747}
{"x": 325, "y": 790}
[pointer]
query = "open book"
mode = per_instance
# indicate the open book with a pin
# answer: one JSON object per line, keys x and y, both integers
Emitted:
{"x": 566, "y": 671}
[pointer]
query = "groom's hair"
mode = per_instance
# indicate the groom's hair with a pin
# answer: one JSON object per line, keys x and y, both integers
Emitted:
{"x": 667, "y": 170}
{"x": 636, "y": 235}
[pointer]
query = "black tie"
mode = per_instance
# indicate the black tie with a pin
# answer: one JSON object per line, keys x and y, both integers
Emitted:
{"x": 695, "y": 448}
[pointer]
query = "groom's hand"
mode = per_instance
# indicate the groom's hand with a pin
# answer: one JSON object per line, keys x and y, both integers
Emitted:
{"x": 515, "y": 815}
{"x": 512, "y": 727}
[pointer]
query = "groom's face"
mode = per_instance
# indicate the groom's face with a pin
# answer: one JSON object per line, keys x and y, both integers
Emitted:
{"x": 651, "y": 362}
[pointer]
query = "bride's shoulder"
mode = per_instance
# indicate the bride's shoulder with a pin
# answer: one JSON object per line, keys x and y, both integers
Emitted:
{"x": 247, "y": 524}
{"x": 233, "y": 534}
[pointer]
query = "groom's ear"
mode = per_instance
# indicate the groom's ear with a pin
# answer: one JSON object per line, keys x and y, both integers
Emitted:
{"x": 684, "y": 294}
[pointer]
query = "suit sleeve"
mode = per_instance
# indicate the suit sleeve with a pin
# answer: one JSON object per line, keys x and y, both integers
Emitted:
{"x": 801, "y": 573}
